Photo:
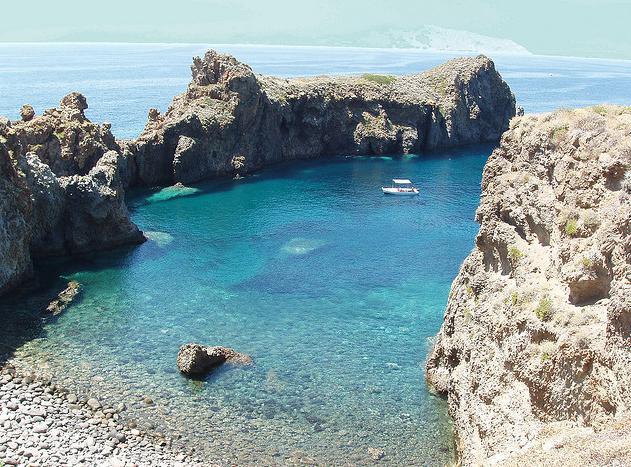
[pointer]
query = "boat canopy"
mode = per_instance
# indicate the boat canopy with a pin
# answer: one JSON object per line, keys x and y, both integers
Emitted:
{"x": 401, "y": 181}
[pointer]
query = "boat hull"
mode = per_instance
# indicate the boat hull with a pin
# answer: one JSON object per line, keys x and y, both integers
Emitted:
{"x": 398, "y": 192}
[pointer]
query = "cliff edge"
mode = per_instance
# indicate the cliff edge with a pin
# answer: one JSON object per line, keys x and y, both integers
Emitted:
{"x": 534, "y": 353}
{"x": 61, "y": 187}
{"x": 232, "y": 121}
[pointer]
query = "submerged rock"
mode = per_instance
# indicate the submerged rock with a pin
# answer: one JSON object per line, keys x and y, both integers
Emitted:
{"x": 536, "y": 340}
{"x": 65, "y": 297}
{"x": 197, "y": 360}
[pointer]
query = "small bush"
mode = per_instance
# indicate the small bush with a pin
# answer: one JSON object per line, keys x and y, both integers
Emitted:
{"x": 560, "y": 132}
{"x": 587, "y": 263}
{"x": 600, "y": 110}
{"x": 571, "y": 227}
{"x": 514, "y": 255}
{"x": 379, "y": 79}
{"x": 544, "y": 309}
{"x": 514, "y": 298}
{"x": 545, "y": 357}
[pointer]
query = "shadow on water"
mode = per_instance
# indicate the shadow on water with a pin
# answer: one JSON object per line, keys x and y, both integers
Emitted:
{"x": 22, "y": 312}
{"x": 287, "y": 170}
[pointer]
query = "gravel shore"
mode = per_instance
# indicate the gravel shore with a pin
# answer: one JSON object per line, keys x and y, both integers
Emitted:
{"x": 41, "y": 424}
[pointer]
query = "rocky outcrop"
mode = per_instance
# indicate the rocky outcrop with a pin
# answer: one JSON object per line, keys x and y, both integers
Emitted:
{"x": 231, "y": 121}
{"x": 197, "y": 360}
{"x": 63, "y": 138}
{"x": 534, "y": 353}
{"x": 64, "y": 189}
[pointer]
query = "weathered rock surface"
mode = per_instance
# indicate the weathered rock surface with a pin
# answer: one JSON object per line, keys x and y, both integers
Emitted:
{"x": 65, "y": 297}
{"x": 62, "y": 187}
{"x": 535, "y": 350}
{"x": 231, "y": 121}
{"x": 64, "y": 139}
{"x": 197, "y": 360}
{"x": 15, "y": 234}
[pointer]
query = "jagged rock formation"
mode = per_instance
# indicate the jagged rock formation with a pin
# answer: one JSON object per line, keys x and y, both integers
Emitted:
{"x": 62, "y": 189}
{"x": 231, "y": 121}
{"x": 535, "y": 350}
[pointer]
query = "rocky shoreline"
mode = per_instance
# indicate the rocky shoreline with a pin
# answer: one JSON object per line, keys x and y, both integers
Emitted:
{"x": 63, "y": 177}
{"x": 44, "y": 424}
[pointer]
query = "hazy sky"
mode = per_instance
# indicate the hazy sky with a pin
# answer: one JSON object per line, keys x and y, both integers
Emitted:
{"x": 563, "y": 27}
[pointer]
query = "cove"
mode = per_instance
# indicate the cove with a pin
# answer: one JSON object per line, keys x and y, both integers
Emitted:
{"x": 333, "y": 288}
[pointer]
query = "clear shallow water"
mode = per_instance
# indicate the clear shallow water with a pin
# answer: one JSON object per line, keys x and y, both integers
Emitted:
{"x": 122, "y": 81}
{"x": 334, "y": 289}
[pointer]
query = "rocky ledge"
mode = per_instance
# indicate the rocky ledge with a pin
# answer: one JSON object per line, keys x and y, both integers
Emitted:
{"x": 62, "y": 182}
{"x": 231, "y": 121}
{"x": 534, "y": 353}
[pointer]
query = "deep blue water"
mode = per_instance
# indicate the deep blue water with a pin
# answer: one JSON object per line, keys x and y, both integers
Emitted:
{"x": 333, "y": 288}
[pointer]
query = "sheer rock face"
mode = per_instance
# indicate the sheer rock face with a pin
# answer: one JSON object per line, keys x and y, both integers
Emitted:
{"x": 535, "y": 350}
{"x": 79, "y": 208}
{"x": 15, "y": 209}
{"x": 228, "y": 113}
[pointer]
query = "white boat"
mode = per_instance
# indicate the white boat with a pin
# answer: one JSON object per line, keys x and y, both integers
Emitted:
{"x": 400, "y": 187}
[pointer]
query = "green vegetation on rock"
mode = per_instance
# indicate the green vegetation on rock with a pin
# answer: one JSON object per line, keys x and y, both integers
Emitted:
{"x": 571, "y": 227}
{"x": 544, "y": 309}
{"x": 379, "y": 79}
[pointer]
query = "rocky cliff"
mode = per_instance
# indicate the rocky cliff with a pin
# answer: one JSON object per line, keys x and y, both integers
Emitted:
{"x": 534, "y": 353}
{"x": 62, "y": 188}
{"x": 231, "y": 121}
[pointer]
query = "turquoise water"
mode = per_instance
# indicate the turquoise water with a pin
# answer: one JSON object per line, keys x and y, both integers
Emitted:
{"x": 332, "y": 287}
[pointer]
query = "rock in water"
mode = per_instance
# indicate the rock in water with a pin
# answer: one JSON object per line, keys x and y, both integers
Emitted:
{"x": 64, "y": 298}
{"x": 535, "y": 348}
{"x": 231, "y": 121}
{"x": 197, "y": 360}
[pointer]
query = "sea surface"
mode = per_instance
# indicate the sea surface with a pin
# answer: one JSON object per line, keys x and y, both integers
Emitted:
{"x": 334, "y": 289}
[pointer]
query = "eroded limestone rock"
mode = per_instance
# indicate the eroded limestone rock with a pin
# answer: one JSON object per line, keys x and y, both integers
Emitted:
{"x": 536, "y": 339}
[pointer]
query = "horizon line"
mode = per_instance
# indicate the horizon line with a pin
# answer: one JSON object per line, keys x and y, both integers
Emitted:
{"x": 527, "y": 54}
